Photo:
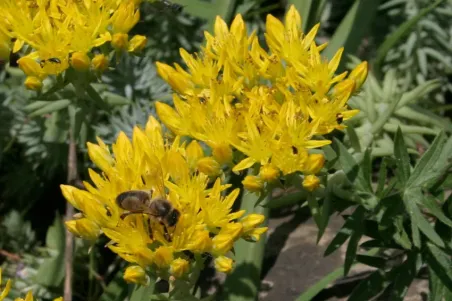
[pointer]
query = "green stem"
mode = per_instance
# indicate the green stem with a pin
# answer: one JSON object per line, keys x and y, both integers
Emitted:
{"x": 91, "y": 275}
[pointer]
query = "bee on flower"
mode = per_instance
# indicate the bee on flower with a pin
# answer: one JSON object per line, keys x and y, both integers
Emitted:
{"x": 157, "y": 206}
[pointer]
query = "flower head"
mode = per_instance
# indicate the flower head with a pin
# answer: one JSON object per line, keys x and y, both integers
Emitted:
{"x": 149, "y": 164}
{"x": 62, "y": 33}
{"x": 268, "y": 105}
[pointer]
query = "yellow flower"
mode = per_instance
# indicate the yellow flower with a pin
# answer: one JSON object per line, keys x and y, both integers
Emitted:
{"x": 311, "y": 182}
{"x": 224, "y": 264}
{"x": 33, "y": 83}
{"x": 314, "y": 163}
{"x": 54, "y": 30}
{"x": 269, "y": 173}
{"x": 194, "y": 153}
{"x": 136, "y": 274}
{"x": 5, "y": 290}
{"x": 149, "y": 162}
{"x": 179, "y": 267}
{"x": 137, "y": 43}
{"x": 253, "y": 183}
{"x": 209, "y": 166}
{"x": 99, "y": 63}
{"x": 28, "y": 297}
{"x": 268, "y": 105}
{"x": 80, "y": 61}
{"x": 84, "y": 228}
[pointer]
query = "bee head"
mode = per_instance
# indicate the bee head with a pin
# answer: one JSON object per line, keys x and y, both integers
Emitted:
{"x": 173, "y": 217}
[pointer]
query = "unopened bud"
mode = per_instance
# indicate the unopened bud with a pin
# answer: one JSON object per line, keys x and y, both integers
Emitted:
{"x": 314, "y": 163}
{"x": 359, "y": 74}
{"x": 137, "y": 43}
{"x": 80, "y": 61}
{"x": 33, "y": 83}
{"x": 222, "y": 153}
{"x": 269, "y": 172}
{"x": 120, "y": 41}
{"x": 179, "y": 267}
{"x": 136, "y": 274}
{"x": 209, "y": 166}
{"x": 253, "y": 183}
{"x": 99, "y": 63}
{"x": 311, "y": 182}
{"x": 224, "y": 264}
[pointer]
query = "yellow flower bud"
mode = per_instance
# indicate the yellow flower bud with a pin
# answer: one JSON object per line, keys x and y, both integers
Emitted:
{"x": 120, "y": 41}
{"x": 163, "y": 256}
{"x": 314, "y": 163}
{"x": 359, "y": 75}
{"x": 269, "y": 172}
{"x": 250, "y": 221}
{"x": 80, "y": 61}
{"x": 136, "y": 274}
{"x": 33, "y": 83}
{"x": 137, "y": 43}
{"x": 58, "y": 299}
{"x": 311, "y": 182}
{"x": 84, "y": 228}
{"x": 255, "y": 234}
{"x": 224, "y": 264}
{"x": 224, "y": 240}
{"x": 209, "y": 166}
{"x": 179, "y": 267}
{"x": 99, "y": 63}
{"x": 202, "y": 242}
{"x": 194, "y": 153}
{"x": 222, "y": 153}
{"x": 253, "y": 183}
{"x": 344, "y": 89}
{"x": 30, "y": 67}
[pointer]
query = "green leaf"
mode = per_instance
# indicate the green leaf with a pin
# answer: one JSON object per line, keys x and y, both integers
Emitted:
{"x": 440, "y": 263}
{"x": 418, "y": 221}
{"x": 430, "y": 203}
{"x": 325, "y": 217}
{"x": 433, "y": 163}
{"x": 436, "y": 287}
{"x": 374, "y": 261}
{"x": 366, "y": 171}
{"x": 285, "y": 200}
{"x": 116, "y": 289}
{"x": 353, "y": 223}
{"x": 142, "y": 293}
{"x": 56, "y": 128}
{"x": 115, "y": 99}
{"x": 353, "y": 138}
{"x": 384, "y": 117}
{"x": 351, "y": 31}
{"x": 352, "y": 247}
{"x": 400, "y": 33}
{"x": 36, "y": 105}
{"x": 51, "y": 271}
{"x": 315, "y": 209}
{"x": 402, "y": 158}
{"x": 403, "y": 276}
{"x": 370, "y": 287}
{"x": 382, "y": 177}
{"x": 51, "y": 107}
{"x": 244, "y": 281}
{"x": 347, "y": 162}
{"x": 309, "y": 294}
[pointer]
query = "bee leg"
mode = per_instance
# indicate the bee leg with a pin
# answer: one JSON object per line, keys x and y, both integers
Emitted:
{"x": 166, "y": 233}
{"x": 151, "y": 234}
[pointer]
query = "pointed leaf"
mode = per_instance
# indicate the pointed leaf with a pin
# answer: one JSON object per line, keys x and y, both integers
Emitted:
{"x": 402, "y": 158}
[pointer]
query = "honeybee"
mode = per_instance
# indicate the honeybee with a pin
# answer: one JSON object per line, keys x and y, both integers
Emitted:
{"x": 141, "y": 202}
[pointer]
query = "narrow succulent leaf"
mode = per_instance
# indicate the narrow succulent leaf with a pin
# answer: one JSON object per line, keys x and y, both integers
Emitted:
{"x": 353, "y": 138}
{"x": 401, "y": 32}
{"x": 51, "y": 107}
{"x": 352, "y": 29}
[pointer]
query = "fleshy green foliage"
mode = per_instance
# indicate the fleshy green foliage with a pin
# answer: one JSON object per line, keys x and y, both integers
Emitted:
{"x": 424, "y": 53}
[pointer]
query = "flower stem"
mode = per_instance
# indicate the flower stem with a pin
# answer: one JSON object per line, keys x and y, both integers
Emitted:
{"x": 72, "y": 176}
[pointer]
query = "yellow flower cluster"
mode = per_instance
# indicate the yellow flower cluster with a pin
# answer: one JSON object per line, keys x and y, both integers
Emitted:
{"x": 148, "y": 162}
{"x": 62, "y": 33}
{"x": 269, "y": 105}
